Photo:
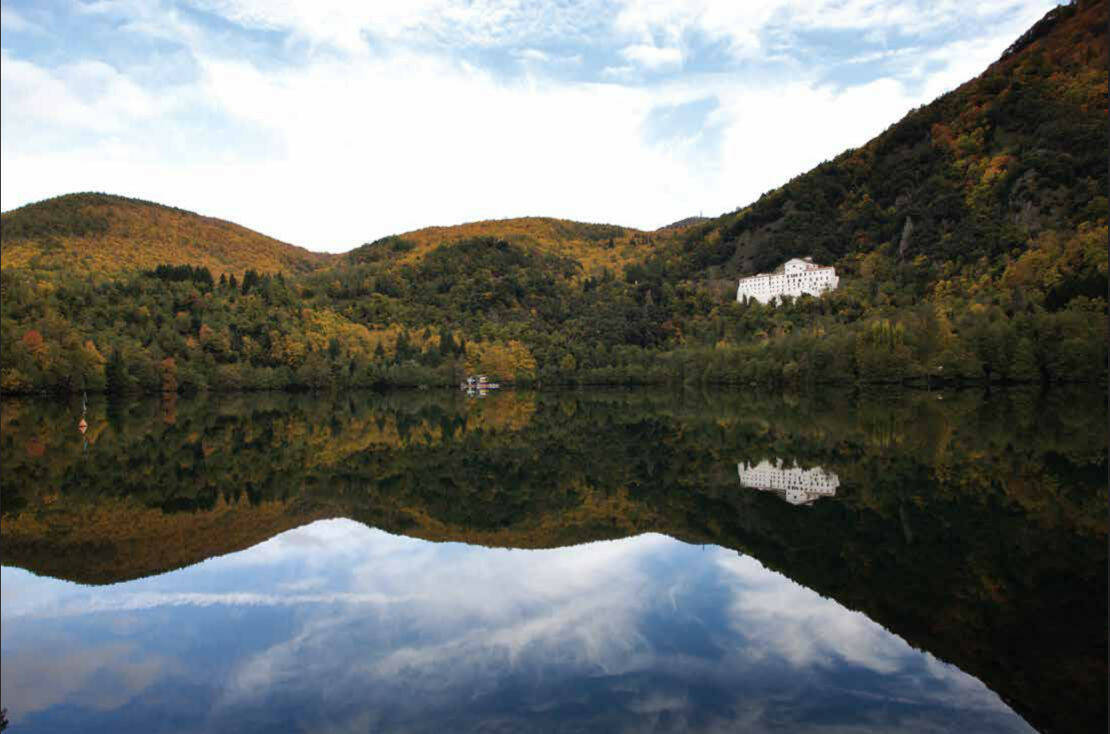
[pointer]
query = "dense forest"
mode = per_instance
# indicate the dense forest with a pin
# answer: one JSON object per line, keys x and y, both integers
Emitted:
{"x": 970, "y": 238}
{"x": 980, "y": 517}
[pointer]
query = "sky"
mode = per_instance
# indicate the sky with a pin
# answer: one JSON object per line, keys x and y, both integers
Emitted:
{"x": 328, "y": 124}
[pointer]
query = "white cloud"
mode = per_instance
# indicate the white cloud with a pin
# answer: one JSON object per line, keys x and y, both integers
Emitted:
{"x": 352, "y": 26}
{"x": 385, "y": 125}
{"x": 809, "y": 629}
{"x": 744, "y": 26}
{"x": 82, "y": 96}
{"x": 534, "y": 54}
{"x": 355, "y": 150}
{"x": 653, "y": 57}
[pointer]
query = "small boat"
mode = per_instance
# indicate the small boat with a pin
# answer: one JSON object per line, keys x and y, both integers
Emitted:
{"x": 478, "y": 386}
{"x": 479, "y": 383}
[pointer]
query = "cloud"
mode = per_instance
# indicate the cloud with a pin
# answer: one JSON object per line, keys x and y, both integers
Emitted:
{"x": 653, "y": 57}
{"x": 751, "y": 28}
{"x": 331, "y": 125}
{"x": 82, "y": 96}
{"x": 442, "y": 23}
{"x": 534, "y": 54}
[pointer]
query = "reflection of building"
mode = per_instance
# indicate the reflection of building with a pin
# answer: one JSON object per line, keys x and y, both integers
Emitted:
{"x": 796, "y": 486}
{"x": 796, "y": 277}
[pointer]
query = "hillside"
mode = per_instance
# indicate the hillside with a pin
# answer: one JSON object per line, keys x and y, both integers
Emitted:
{"x": 108, "y": 234}
{"x": 684, "y": 223}
{"x": 593, "y": 246}
{"x": 999, "y": 168}
{"x": 969, "y": 237}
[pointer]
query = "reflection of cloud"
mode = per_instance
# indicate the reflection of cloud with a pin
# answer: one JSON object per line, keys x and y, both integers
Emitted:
{"x": 152, "y": 600}
{"x": 459, "y": 612}
{"x": 638, "y": 633}
{"x": 807, "y": 629}
{"x": 34, "y": 681}
{"x": 810, "y": 631}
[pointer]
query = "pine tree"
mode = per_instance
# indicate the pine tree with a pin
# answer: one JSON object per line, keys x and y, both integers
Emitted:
{"x": 446, "y": 343}
{"x": 115, "y": 374}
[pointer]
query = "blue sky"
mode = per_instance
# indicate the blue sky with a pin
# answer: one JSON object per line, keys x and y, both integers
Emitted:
{"x": 328, "y": 124}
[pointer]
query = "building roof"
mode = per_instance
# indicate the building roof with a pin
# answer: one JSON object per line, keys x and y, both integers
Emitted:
{"x": 811, "y": 267}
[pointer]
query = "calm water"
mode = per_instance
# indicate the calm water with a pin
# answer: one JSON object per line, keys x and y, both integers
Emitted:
{"x": 574, "y": 561}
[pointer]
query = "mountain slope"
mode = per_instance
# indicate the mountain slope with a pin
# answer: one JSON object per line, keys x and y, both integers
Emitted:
{"x": 984, "y": 171}
{"x": 105, "y": 233}
{"x": 592, "y": 246}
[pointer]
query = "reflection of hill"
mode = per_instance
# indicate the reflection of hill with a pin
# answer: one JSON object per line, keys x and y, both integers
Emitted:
{"x": 114, "y": 539}
{"x": 973, "y": 528}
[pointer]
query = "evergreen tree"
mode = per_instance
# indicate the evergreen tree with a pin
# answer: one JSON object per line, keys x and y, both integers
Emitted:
{"x": 115, "y": 374}
{"x": 446, "y": 343}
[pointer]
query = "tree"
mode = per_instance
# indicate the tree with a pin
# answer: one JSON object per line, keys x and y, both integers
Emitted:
{"x": 115, "y": 374}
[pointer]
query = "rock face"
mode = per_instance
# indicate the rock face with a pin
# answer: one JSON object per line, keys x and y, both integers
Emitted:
{"x": 907, "y": 233}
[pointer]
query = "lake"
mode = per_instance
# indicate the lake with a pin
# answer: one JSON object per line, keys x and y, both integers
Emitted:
{"x": 556, "y": 561}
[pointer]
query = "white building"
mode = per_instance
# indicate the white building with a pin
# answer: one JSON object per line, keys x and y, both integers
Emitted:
{"x": 796, "y": 486}
{"x": 796, "y": 277}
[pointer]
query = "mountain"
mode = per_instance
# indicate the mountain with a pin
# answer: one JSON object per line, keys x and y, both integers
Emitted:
{"x": 969, "y": 237}
{"x": 683, "y": 223}
{"x": 107, "y": 234}
{"x": 592, "y": 246}
{"x": 995, "y": 169}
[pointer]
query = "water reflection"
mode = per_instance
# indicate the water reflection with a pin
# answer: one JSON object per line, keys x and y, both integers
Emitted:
{"x": 973, "y": 528}
{"x": 795, "y": 485}
{"x": 336, "y": 626}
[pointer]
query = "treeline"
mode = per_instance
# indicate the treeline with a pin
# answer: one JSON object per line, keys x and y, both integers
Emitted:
{"x": 488, "y": 306}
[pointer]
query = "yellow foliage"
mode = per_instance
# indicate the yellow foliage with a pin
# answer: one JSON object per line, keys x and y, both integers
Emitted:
{"x": 542, "y": 234}
{"x": 1053, "y": 258}
{"x": 142, "y": 235}
{"x": 500, "y": 360}
{"x": 507, "y": 411}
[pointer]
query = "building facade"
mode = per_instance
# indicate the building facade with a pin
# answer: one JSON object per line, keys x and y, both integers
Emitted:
{"x": 796, "y": 486}
{"x": 797, "y": 277}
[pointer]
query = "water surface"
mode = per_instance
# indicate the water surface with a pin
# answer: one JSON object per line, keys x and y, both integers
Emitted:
{"x": 567, "y": 561}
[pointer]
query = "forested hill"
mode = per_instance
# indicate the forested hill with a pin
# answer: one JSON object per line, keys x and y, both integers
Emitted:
{"x": 108, "y": 234}
{"x": 970, "y": 238}
{"x": 593, "y": 247}
{"x": 1001, "y": 168}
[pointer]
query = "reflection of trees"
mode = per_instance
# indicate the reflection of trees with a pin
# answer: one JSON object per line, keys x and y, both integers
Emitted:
{"x": 972, "y": 527}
